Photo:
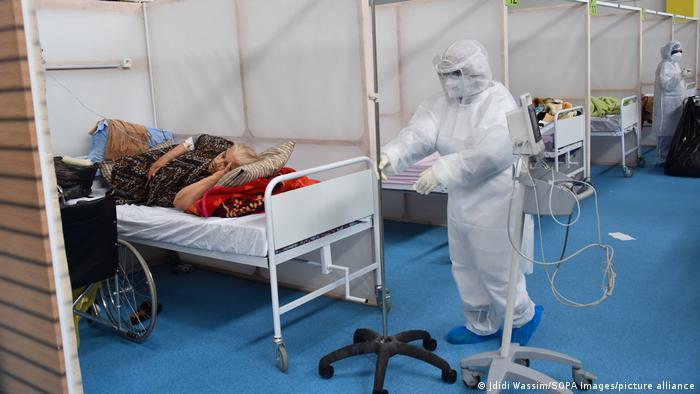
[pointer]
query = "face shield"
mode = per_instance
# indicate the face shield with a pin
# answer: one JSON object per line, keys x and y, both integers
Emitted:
{"x": 463, "y": 70}
{"x": 676, "y": 54}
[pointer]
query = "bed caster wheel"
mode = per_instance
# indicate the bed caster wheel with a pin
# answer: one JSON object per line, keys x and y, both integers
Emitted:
{"x": 430, "y": 344}
{"x": 525, "y": 362}
{"x": 627, "y": 172}
{"x": 326, "y": 371}
{"x": 641, "y": 162}
{"x": 449, "y": 376}
{"x": 281, "y": 357}
{"x": 583, "y": 379}
{"x": 471, "y": 378}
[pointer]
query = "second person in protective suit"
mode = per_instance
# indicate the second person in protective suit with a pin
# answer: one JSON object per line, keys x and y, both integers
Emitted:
{"x": 669, "y": 92}
{"x": 467, "y": 126}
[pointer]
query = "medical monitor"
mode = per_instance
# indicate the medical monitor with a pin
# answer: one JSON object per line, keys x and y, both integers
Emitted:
{"x": 525, "y": 131}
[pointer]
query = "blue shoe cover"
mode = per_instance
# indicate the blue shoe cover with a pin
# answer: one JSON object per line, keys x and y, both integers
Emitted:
{"x": 523, "y": 334}
{"x": 461, "y": 335}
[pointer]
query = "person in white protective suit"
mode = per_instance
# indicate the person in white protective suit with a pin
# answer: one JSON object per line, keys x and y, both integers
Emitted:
{"x": 467, "y": 125}
{"x": 669, "y": 92}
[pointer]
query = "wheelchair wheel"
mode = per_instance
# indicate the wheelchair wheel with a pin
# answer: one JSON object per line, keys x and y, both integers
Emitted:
{"x": 129, "y": 297}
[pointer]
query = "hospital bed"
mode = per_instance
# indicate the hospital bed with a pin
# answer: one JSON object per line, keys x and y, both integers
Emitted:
{"x": 295, "y": 223}
{"x": 628, "y": 121}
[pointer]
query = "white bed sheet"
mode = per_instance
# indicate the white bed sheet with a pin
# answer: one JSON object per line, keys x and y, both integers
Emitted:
{"x": 244, "y": 235}
{"x": 605, "y": 123}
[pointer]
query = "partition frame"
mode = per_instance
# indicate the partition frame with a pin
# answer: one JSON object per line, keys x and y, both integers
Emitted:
{"x": 62, "y": 299}
{"x": 624, "y": 90}
{"x": 583, "y": 4}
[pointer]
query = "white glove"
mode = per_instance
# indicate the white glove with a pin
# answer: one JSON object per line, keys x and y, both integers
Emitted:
{"x": 686, "y": 72}
{"x": 381, "y": 166}
{"x": 426, "y": 182}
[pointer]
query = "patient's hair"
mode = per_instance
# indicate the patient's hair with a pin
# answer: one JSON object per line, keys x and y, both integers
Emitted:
{"x": 245, "y": 154}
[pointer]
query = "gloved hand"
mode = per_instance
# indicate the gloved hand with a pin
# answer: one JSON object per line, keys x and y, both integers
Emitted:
{"x": 383, "y": 165}
{"x": 686, "y": 72}
{"x": 426, "y": 182}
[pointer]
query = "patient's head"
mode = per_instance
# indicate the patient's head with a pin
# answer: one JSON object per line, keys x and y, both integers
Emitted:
{"x": 235, "y": 156}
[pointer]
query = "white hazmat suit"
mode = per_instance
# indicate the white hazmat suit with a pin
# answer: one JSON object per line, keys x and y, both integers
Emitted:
{"x": 669, "y": 91}
{"x": 467, "y": 125}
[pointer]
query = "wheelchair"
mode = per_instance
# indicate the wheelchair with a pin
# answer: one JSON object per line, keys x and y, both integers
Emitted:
{"x": 117, "y": 287}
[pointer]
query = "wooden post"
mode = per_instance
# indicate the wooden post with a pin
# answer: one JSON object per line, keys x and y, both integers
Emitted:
{"x": 34, "y": 353}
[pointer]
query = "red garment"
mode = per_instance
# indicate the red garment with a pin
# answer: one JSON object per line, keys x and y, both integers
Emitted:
{"x": 228, "y": 202}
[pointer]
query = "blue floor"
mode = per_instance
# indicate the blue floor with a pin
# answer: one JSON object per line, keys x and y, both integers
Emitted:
{"x": 214, "y": 334}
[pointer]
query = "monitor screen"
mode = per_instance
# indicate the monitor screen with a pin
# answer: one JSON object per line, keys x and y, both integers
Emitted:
{"x": 535, "y": 124}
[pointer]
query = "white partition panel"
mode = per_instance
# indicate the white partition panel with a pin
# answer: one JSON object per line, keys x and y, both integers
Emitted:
{"x": 303, "y": 67}
{"x": 657, "y": 32}
{"x": 427, "y": 28}
{"x": 79, "y": 32}
{"x": 686, "y": 31}
{"x": 196, "y": 67}
{"x": 549, "y": 54}
{"x": 616, "y": 72}
{"x": 615, "y": 52}
{"x": 411, "y": 33}
{"x": 558, "y": 68}
{"x": 389, "y": 68}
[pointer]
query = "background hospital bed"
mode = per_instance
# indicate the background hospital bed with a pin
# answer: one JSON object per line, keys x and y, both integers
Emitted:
{"x": 567, "y": 136}
{"x": 295, "y": 223}
{"x": 562, "y": 138}
{"x": 619, "y": 126}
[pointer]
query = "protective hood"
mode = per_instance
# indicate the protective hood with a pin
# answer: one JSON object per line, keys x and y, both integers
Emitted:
{"x": 668, "y": 49}
{"x": 463, "y": 69}
{"x": 469, "y": 56}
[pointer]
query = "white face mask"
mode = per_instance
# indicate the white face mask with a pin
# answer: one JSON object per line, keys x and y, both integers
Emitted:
{"x": 454, "y": 87}
{"x": 474, "y": 86}
{"x": 676, "y": 56}
{"x": 458, "y": 87}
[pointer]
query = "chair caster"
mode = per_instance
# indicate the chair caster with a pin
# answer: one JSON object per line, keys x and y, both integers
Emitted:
{"x": 525, "y": 362}
{"x": 326, "y": 371}
{"x": 583, "y": 379}
{"x": 449, "y": 376}
{"x": 471, "y": 378}
{"x": 430, "y": 344}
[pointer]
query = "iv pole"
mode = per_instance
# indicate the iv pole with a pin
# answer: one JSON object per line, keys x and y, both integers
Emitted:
{"x": 366, "y": 341}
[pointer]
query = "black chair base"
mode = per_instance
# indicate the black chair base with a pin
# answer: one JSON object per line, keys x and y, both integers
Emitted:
{"x": 366, "y": 341}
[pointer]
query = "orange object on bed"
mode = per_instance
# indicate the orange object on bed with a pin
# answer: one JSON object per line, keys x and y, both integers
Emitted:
{"x": 229, "y": 202}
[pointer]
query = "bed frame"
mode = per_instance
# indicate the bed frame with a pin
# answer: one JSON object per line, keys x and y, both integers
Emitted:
{"x": 630, "y": 116}
{"x": 568, "y": 136}
{"x": 304, "y": 214}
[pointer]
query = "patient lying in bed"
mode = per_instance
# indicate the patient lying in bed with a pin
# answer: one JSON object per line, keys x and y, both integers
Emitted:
{"x": 179, "y": 175}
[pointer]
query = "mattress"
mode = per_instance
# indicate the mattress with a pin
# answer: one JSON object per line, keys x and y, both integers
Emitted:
{"x": 605, "y": 123}
{"x": 244, "y": 235}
